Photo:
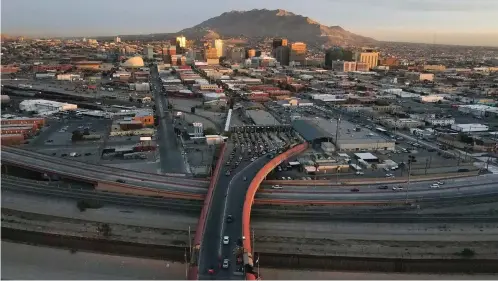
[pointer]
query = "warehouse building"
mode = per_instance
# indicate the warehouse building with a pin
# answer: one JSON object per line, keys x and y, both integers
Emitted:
{"x": 261, "y": 118}
{"x": 468, "y": 128}
{"x": 46, "y": 106}
{"x": 344, "y": 135}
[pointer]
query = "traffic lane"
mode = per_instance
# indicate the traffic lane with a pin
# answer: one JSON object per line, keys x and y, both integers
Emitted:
{"x": 376, "y": 187}
{"x": 236, "y": 197}
{"x": 479, "y": 190}
{"x": 171, "y": 158}
{"x": 225, "y": 251}
{"x": 102, "y": 176}
{"x": 209, "y": 256}
{"x": 42, "y": 160}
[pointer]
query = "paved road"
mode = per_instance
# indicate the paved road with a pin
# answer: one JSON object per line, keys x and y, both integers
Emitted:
{"x": 96, "y": 172}
{"x": 228, "y": 199}
{"x": 172, "y": 160}
{"x": 474, "y": 186}
{"x": 374, "y": 187}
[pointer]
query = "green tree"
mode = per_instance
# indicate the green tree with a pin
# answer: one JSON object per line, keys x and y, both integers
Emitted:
{"x": 76, "y": 136}
{"x": 210, "y": 131}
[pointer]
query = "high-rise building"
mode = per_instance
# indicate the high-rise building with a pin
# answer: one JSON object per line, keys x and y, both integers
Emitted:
{"x": 368, "y": 56}
{"x": 117, "y": 39}
{"x": 278, "y": 42}
{"x": 250, "y": 53}
{"x": 298, "y": 53}
{"x": 237, "y": 54}
{"x": 181, "y": 44}
{"x": 181, "y": 41}
{"x": 168, "y": 52}
{"x": 149, "y": 52}
{"x": 218, "y": 44}
{"x": 211, "y": 53}
{"x": 282, "y": 54}
{"x": 337, "y": 54}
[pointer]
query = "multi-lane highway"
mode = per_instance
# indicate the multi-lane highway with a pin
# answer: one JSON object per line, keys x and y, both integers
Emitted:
{"x": 171, "y": 159}
{"x": 486, "y": 185}
{"x": 93, "y": 173}
{"x": 54, "y": 190}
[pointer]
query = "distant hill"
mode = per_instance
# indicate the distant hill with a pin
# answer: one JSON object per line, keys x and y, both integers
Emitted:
{"x": 274, "y": 23}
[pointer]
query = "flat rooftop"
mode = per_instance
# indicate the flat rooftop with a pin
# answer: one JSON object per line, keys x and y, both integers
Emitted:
{"x": 320, "y": 128}
{"x": 262, "y": 118}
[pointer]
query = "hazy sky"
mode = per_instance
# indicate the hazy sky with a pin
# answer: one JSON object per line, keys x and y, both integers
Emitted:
{"x": 470, "y": 22}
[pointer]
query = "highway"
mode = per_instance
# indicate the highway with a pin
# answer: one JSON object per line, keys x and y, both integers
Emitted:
{"x": 228, "y": 199}
{"x": 416, "y": 190}
{"x": 93, "y": 173}
{"x": 171, "y": 159}
{"x": 52, "y": 190}
{"x": 476, "y": 186}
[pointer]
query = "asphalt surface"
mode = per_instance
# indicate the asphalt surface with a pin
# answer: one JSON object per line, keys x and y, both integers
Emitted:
{"x": 228, "y": 199}
{"x": 56, "y": 189}
{"x": 70, "y": 167}
{"x": 485, "y": 185}
{"x": 171, "y": 158}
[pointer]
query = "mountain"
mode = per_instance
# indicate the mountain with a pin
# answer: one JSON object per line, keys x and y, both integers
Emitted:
{"x": 274, "y": 23}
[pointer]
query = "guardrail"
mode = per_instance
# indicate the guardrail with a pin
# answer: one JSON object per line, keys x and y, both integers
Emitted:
{"x": 251, "y": 192}
{"x": 193, "y": 273}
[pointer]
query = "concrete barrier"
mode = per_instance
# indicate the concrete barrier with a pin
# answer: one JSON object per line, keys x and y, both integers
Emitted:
{"x": 193, "y": 273}
{"x": 253, "y": 188}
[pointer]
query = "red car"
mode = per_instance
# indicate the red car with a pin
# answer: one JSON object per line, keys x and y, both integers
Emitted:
{"x": 211, "y": 271}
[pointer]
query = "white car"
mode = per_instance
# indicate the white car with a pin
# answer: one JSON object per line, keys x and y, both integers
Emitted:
{"x": 359, "y": 173}
{"x": 226, "y": 240}
{"x": 440, "y": 182}
{"x": 396, "y": 188}
{"x": 225, "y": 263}
{"x": 434, "y": 185}
{"x": 276, "y": 186}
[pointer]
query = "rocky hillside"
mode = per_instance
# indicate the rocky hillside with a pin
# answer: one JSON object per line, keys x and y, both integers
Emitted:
{"x": 274, "y": 23}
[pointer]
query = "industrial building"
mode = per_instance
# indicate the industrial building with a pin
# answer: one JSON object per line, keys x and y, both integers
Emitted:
{"x": 343, "y": 134}
{"x": 45, "y": 106}
{"x": 468, "y": 128}
{"x": 262, "y": 118}
{"x": 38, "y": 122}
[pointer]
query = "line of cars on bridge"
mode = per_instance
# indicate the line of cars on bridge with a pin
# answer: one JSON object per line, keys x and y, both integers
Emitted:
{"x": 249, "y": 145}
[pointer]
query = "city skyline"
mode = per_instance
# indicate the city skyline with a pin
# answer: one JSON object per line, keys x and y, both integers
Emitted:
{"x": 464, "y": 22}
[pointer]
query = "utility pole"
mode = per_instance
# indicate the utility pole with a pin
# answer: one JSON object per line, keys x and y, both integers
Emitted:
{"x": 186, "y": 264}
{"x": 189, "y": 241}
